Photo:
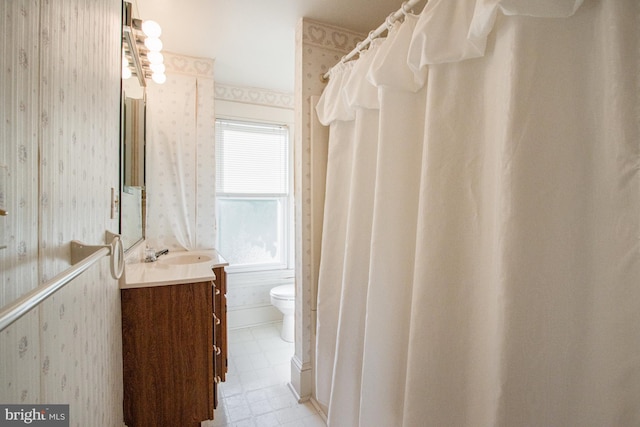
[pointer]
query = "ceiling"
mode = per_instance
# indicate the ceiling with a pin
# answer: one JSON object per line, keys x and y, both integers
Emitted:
{"x": 253, "y": 41}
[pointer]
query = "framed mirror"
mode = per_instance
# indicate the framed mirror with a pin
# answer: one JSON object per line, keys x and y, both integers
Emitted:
{"x": 132, "y": 164}
{"x": 132, "y": 145}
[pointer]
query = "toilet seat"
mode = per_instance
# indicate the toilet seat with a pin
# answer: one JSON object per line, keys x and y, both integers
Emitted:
{"x": 284, "y": 292}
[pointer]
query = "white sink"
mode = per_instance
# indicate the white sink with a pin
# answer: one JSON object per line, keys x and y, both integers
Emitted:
{"x": 182, "y": 259}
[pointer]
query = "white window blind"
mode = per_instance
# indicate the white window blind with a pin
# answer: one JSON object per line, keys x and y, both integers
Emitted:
{"x": 253, "y": 195}
{"x": 251, "y": 158}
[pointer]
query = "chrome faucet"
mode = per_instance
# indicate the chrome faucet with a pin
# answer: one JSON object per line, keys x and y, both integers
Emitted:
{"x": 162, "y": 252}
{"x": 151, "y": 256}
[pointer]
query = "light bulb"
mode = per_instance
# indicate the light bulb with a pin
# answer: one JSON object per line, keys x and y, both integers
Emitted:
{"x": 126, "y": 73}
{"x": 159, "y": 78}
{"x": 157, "y": 68}
{"x": 151, "y": 29}
{"x": 155, "y": 58}
{"x": 154, "y": 44}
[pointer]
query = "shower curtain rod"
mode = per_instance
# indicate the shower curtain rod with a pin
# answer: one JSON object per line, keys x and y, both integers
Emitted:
{"x": 404, "y": 9}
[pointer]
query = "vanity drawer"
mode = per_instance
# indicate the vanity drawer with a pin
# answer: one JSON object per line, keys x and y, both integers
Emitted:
{"x": 220, "y": 323}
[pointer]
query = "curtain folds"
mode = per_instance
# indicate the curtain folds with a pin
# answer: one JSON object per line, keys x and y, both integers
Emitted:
{"x": 171, "y": 116}
{"x": 181, "y": 150}
{"x": 480, "y": 257}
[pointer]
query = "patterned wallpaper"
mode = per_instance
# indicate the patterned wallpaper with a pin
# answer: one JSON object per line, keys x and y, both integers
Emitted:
{"x": 188, "y": 65}
{"x": 60, "y": 114}
{"x": 318, "y": 47}
{"x": 181, "y": 156}
{"x": 19, "y": 150}
{"x": 254, "y": 96}
{"x": 324, "y": 46}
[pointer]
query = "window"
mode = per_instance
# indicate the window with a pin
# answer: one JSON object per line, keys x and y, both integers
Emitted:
{"x": 253, "y": 189}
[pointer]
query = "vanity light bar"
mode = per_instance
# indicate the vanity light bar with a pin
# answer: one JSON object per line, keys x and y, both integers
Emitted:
{"x": 141, "y": 43}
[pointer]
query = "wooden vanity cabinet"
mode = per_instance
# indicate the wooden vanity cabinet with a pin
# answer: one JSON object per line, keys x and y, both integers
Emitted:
{"x": 174, "y": 352}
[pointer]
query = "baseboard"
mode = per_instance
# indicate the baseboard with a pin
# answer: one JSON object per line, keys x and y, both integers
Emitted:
{"x": 251, "y": 316}
{"x": 321, "y": 410}
{"x": 301, "y": 379}
{"x": 296, "y": 395}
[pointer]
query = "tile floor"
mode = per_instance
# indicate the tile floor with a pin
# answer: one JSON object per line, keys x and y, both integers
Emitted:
{"x": 256, "y": 392}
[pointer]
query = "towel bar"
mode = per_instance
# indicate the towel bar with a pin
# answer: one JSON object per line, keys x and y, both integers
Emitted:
{"x": 82, "y": 257}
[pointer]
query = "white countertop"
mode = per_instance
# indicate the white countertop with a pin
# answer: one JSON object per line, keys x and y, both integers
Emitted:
{"x": 163, "y": 272}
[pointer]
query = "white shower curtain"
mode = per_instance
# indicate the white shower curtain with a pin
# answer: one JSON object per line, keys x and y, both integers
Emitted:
{"x": 480, "y": 259}
{"x": 181, "y": 157}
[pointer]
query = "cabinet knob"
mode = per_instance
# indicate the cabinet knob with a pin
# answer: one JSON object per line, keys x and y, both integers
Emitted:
{"x": 217, "y": 349}
{"x": 215, "y": 319}
{"x": 217, "y": 291}
{"x": 217, "y": 379}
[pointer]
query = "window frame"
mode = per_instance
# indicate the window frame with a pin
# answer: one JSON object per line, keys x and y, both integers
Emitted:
{"x": 285, "y": 267}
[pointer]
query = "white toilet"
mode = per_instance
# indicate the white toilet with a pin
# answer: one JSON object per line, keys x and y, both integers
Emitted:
{"x": 284, "y": 299}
